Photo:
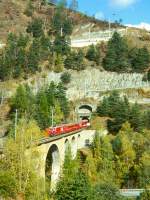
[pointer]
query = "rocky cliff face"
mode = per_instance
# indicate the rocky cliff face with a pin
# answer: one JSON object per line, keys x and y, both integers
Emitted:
{"x": 89, "y": 82}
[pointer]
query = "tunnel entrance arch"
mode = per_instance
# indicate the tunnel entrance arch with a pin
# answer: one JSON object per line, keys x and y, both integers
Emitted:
{"x": 84, "y": 111}
{"x": 87, "y": 107}
{"x": 52, "y": 167}
{"x": 85, "y": 118}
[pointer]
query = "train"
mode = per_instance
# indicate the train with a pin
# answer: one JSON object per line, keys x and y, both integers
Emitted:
{"x": 67, "y": 128}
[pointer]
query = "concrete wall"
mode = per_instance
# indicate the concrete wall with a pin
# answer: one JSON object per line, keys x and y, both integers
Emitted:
{"x": 89, "y": 38}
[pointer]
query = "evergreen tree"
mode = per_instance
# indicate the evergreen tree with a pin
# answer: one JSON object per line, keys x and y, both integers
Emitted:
{"x": 140, "y": 59}
{"x": 23, "y": 101}
{"x": 30, "y": 102}
{"x": 61, "y": 23}
{"x": 51, "y": 94}
{"x": 61, "y": 45}
{"x": 80, "y": 60}
{"x": 33, "y": 56}
{"x": 135, "y": 118}
{"x": 45, "y": 47}
{"x": 35, "y": 27}
{"x": 42, "y": 114}
{"x": 5, "y": 73}
{"x": 96, "y": 146}
{"x": 70, "y": 61}
{"x": 93, "y": 54}
{"x": 75, "y": 61}
{"x": 19, "y": 101}
{"x": 102, "y": 108}
{"x": 57, "y": 20}
{"x": 65, "y": 77}
{"x": 59, "y": 64}
{"x": 62, "y": 99}
{"x": 147, "y": 119}
{"x": 116, "y": 58}
{"x": 73, "y": 184}
{"x": 77, "y": 188}
{"x": 13, "y": 59}
{"x": 109, "y": 105}
{"x": 117, "y": 108}
{"x": 58, "y": 114}
{"x": 148, "y": 75}
{"x": 133, "y": 54}
{"x": 67, "y": 27}
{"x": 121, "y": 115}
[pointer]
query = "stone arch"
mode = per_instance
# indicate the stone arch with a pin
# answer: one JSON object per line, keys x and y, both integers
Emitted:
{"x": 52, "y": 167}
{"x": 87, "y": 107}
{"x": 73, "y": 147}
{"x": 66, "y": 145}
{"x": 86, "y": 118}
{"x": 78, "y": 141}
{"x": 84, "y": 111}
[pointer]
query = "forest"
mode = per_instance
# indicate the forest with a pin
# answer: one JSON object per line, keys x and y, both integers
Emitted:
{"x": 117, "y": 160}
{"x": 41, "y": 49}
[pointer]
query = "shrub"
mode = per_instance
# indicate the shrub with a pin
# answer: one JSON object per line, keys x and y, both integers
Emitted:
{"x": 65, "y": 77}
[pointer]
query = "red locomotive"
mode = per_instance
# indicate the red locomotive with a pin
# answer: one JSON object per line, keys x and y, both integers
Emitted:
{"x": 67, "y": 128}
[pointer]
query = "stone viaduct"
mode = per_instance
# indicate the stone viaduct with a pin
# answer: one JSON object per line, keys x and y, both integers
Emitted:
{"x": 51, "y": 152}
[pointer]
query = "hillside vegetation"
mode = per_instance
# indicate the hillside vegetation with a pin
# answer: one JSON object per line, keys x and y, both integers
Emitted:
{"x": 15, "y": 16}
{"x": 37, "y": 37}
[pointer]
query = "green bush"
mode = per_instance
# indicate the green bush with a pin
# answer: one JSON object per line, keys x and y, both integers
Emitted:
{"x": 65, "y": 77}
{"x": 7, "y": 185}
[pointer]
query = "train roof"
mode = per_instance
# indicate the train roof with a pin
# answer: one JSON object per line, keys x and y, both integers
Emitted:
{"x": 64, "y": 125}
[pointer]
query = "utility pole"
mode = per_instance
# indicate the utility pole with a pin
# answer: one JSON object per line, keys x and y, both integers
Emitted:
{"x": 16, "y": 118}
